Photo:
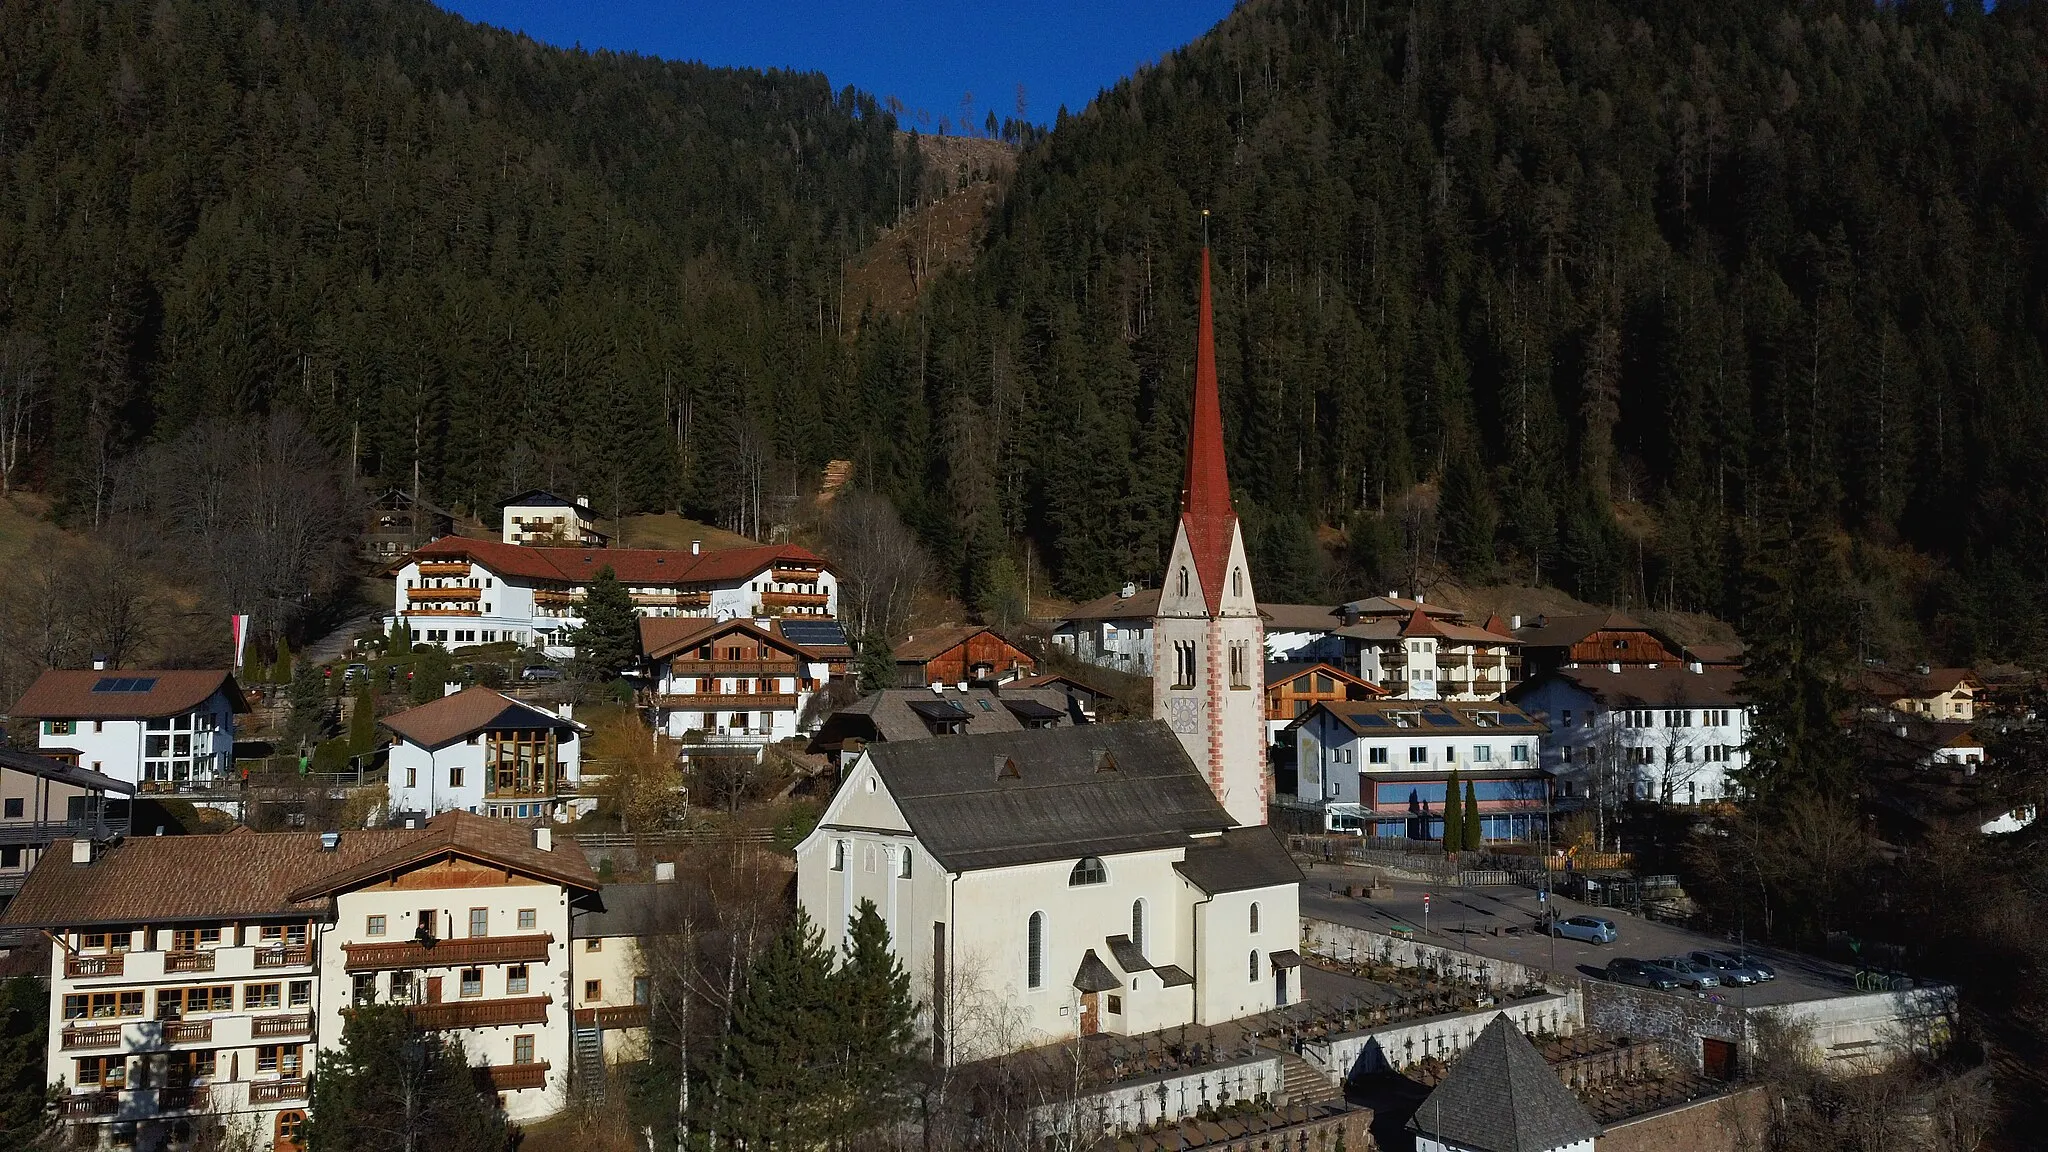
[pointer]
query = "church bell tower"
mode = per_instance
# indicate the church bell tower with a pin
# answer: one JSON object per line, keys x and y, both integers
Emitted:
{"x": 1208, "y": 665}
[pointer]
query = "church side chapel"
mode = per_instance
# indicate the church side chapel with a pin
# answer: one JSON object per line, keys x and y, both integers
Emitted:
{"x": 1048, "y": 884}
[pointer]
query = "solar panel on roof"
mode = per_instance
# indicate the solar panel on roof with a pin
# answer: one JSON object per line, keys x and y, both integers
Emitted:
{"x": 1441, "y": 719}
{"x": 814, "y": 631}
{"x": 1370, "y": 720}
{"x": 938, "y": 710}
{"x": 124, "y": 684}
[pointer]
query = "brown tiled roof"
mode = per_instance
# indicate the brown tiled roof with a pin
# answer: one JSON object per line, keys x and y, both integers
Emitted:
{"x": 643, "y": 566}
{"x": 932, "y": 643}
{"x": 161, "y": 879}
{"x": 1895, "y": 683}
{"x": 1432, "y": 717}
{"x": 1644, "y": 686}
{"x": 444, "y": 721}
{"x": 1565, "y": 631}
{"x": 67, "y": 693}
{"x": 1142, "y": 604}
{"x": 1397, "y": 606}
{"x": 664, "y": 636}
{"x": 1056, "y": 681}
{"x": 1300, "y": 617}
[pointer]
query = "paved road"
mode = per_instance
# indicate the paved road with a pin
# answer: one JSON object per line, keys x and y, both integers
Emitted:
{"x": 1476, "y": 919}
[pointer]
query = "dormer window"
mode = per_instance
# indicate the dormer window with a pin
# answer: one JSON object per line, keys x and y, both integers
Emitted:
{"x": 1088, "y": 870}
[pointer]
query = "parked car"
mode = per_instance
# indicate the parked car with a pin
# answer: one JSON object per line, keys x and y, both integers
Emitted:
{"x": 1733, "y": 961}
{"x": 354, "y": 672}
{"x": 1691, "y": 973}
{"x": 1591, "y": 929}
{"x": 536, "y": 673}
{"x": 1731, "y": 969}
{"x": 1642, "y": 974}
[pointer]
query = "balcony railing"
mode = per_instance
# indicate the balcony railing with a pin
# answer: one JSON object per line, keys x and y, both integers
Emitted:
{"x": 672, "y": 599}
{"x": 188, "y": 961}
{"x": 618, "y": 1016}
{"x": 444, "y": 567}
{"x": 85, "y": 1105}
{"x": 269, "y": 1026}
{"x": 87, "y": 967}
{"x": 701, "y": 668}
{"x": 277, "y": 1091}
{"x": 793, "y": 575}
{"x": 510, "y": 1077}
{"x": 188, "y": 1031}
{"x": 290, "y": 956}
{"x": 103, "y": 1036}
{"x": 531, "y": 949}
{"x": 716, "y": 702}
{"x": 482, "y": 1013}
{"x": 556, "y": 596}
{"x": 456, "y": 593}
{"x": 442, "y": 612}
{"x": 793, "y": 599}
{"x": 39, "y": 833}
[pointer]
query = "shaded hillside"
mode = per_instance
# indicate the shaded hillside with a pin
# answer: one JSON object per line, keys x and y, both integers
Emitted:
{"x": 451, "y": 246}
{"x": 963, "y": 179}
{"x": 1632, "y": 286}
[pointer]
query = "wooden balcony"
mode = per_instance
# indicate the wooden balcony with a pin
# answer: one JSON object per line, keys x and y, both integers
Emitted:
{"x": 277, "y": 1091}
{"x": 530, "y": 949}
{"x": 264, "y": 1027}
{"x": 101, "y": 1036}
{"x": 192, "y": 961}
{"x": 88, "y": 1105}
{"x": 793, "y": 599}
{"x": 418, "y": 594}
{"x": 556, "y": 596}
{"x": 714, "y": 702}
{"x": 619, "y": 1016}
{"x": 510, "y": 1077}
{"x": 793, "y": 575}
{"x": 703, "y": 668}
{"x": 184, "y": 1098}
{"x": 442, "y": 612}
{"x": 672, "y": 599}
{"x": 87, "y": 967}
{"x": 444, "y": 568}
{"x": 188, "y": 1031}
{"x": 482, "y": 1013}
{"x": 290, "y": 956}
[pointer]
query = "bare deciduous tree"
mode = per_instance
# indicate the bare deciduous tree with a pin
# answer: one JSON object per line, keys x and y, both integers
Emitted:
{"x": 880, "y": 564}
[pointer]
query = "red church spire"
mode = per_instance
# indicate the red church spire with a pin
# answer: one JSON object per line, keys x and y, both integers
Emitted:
{"x": 1205, "y": 510}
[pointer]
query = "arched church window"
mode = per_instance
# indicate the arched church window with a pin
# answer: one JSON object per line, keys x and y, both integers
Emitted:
{"x": 1252, "y": 967}
{"x": 1138, "y": 924}
{"x": 1237, "y": 581}
{"x": 1088, "y": 870}
{"x": 1255, "y": 916}
{"x": 1034, "y": 951}
{"x": 1182, "y": 583}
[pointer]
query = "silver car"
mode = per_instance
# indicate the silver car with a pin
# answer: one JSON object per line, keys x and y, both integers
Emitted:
{"x": 1690, "y": 973}
{"x": 1730, "y": 968}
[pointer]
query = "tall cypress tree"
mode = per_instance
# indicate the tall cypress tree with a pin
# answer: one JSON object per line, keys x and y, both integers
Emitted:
{"x": 1454, "y": 816}
{"x": 362, "y": 722}
{"x": 1474, "y": 834}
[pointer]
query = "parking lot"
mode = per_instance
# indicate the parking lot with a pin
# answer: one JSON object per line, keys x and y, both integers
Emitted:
{"x": 1478, "y": 919}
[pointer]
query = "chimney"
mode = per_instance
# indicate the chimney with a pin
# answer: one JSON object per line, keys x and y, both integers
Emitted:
{"x": 330, "y": 841}
{"x": 99, "y": 662}
{"x": 81, "y": 851}
{"x": 451, "y": 687}
{"x": 664, "y": 871}
{"x": 583, "y": 501}
{"x": 566, "y": 710}
{"x": 1394, "y": 594}
{"x": 544, "y": 839}
{"x": 1129, "y": 590}
{"x": 1614, "y": 666}
{"x": 696, "y": 547}
{"x": 1418, "y": 596}
{"x": 1515, "y": 622}
{"x": 1697, "y": 667}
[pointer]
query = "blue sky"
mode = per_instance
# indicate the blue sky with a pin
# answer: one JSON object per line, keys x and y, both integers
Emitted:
{"x": 925, "y": 52}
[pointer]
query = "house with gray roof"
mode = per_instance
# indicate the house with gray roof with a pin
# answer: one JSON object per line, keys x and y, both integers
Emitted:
{"x": 1047, "y": 883}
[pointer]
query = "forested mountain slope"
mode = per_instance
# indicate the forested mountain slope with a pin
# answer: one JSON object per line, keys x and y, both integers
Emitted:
{"x": 1612, "y": 277}
{"x": 446, "y": 244}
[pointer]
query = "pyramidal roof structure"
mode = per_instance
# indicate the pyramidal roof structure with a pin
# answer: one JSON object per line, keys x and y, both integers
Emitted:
{"x": 1205, "y": 509}
{"x": 1502, "y": 1097}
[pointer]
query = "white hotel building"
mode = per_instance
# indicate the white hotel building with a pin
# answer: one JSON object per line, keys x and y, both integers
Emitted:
{"x": 193, "y": 979}
{"x": 1674, "y": 733}
{"x": 458, "y": 591}
{"x": 482, "y": 752}
{"x": 169, "y": 730}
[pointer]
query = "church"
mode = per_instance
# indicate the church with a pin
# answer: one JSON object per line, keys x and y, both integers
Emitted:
{"x": 1052, "y": 883}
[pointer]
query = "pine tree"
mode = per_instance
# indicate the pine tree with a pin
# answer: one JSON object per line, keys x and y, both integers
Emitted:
{"x": 877, "y": 663}
{"x": 392, "y": 1086}
{"x": 609, "y": 641}
{"x": 1454, "y": 815}
{"x": 281, "y": 668}
{"x": 1468, "y": 518}
{"x": 1798, "y": 621}
{"x": 25, "y": 1104}
{"x": 777, "y": 1072}
{"x": 1475, "y": 833}
{"x": 431, "y": 671}
{"x": 878, "y": 1026}
{"x": 308, "y": 697}
{"x": 400, "y": 643}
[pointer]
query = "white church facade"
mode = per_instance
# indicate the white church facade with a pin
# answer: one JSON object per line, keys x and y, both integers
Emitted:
{"x": 1046, "y": 885}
